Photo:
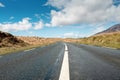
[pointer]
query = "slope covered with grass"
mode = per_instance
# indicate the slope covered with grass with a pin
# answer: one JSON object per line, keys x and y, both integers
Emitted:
{"x": 8, "y": 40}
{"x": 107, "y": 40}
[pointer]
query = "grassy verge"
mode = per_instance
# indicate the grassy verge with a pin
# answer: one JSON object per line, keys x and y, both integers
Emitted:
{"x": 8, "y": 50}
{"x": 106, "y": 40}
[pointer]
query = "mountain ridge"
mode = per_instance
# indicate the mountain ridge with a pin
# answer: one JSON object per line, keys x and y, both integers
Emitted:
{"x": 112, "y": 29}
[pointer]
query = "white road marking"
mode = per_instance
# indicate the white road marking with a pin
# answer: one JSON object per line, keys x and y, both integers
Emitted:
{"x": 0, "y": 56}
{"x": 64, "y": 74}
{"x": 66, "y": 48}
{"x": 29, "y": 50}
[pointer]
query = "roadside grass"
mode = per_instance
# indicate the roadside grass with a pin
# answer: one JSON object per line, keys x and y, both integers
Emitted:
{"x": 107, "y": 40}
{"x": 8, "y": 50}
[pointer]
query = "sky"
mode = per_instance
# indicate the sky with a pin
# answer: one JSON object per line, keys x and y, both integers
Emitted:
{"x": 58, "y": 18}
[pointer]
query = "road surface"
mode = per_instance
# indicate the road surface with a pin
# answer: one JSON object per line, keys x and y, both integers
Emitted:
{"x": 62, "y": 61}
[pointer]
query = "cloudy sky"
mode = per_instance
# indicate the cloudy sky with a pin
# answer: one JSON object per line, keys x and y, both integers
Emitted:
{"x": 58, "y": 18}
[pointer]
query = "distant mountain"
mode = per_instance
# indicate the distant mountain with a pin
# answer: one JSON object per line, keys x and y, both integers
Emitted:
{"x": 115, "y": 28}
{"x": 8, "y": 40}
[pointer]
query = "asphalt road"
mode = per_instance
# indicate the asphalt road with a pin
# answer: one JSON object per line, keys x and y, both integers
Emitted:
{"x": 44, "y": 63}
{"x": 93, "y": 63}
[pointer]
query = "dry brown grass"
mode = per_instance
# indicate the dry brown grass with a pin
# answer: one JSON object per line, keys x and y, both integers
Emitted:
{"x": 8, "y": 50}
{"x": 38, "y": 40}
{"x": 107, "y": 40}
{"x": 31, "y": 43}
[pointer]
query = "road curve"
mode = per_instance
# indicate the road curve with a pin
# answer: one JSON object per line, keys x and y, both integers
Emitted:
{"x": 45, "y": 63}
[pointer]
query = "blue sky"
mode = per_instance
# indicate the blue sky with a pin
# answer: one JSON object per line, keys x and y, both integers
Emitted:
{"x": 58, "y": 18}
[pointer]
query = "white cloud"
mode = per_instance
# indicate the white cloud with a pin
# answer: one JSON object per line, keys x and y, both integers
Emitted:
{"x": 21, "y": 25}
{"x": 2, "y": 5}
{"x": 11, "y": 18}
{"x": 37, "y": 16}
{"x": 94, "y": 29}
{"x": 71, "y": 35}
{"x": 83, "y": 11}
{"x": 99, "y": 29}
{"x": 30, "y": 32}
{"x": 48, "y": 25}
{"x": 38, "y": 25}
{"x": 57, "y": 3}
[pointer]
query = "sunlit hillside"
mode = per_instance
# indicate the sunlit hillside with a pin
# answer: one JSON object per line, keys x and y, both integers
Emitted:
{"x": 107, "y": 40}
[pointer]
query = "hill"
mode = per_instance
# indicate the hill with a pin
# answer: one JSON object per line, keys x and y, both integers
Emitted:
{"x": 107, "y": 40}
{"x": 114, "y": 28}
{"x": 8, "y": 40}
{"x": 38, "y": 40}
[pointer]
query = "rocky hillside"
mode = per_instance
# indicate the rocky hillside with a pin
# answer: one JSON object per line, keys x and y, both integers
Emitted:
{"x": 115, "y": 28}
{"x": 8, "y": 40}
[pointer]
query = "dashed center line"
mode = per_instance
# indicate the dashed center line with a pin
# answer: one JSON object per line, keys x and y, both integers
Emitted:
{"x": 64, "y": 73}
